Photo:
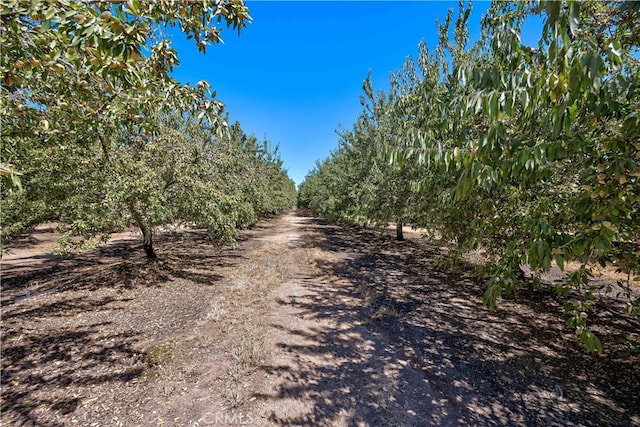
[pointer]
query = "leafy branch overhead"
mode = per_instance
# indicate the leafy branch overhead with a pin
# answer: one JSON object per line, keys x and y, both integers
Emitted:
{"x": 103, "y": 62}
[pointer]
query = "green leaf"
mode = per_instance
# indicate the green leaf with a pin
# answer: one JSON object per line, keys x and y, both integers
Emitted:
{"x": 574, "y": 16}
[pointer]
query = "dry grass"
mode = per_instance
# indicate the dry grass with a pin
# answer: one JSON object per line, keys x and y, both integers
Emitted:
{"x": 244, "y": 342}
{"x": 608, "y": 272}
{"x": 314, "y": 242}
{"x": 269, "y": 249}
{"x": 477, "y": 260}
{"x": 157, "y": 356}
{"x": 247, "y": 353}
{"x": 317, "y": 256}
{"x": 385, "y": 311}
{"x": 368, "y": 293}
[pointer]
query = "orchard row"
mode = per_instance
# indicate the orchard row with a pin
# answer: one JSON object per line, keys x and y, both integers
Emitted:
{"x": 531, "y": 153}
{"x": 98, "y": 136}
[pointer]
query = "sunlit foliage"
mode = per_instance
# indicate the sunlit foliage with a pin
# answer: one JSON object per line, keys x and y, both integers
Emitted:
{"x": 528, "y": 152}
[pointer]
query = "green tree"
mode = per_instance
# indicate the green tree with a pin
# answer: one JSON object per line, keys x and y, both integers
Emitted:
{"x": 530, "y": 153}
{"x": 183, "y": 173}
{"x": 73, "y": 72}
{"x": 100, "y": 134}
{"x": 563, "y": 126}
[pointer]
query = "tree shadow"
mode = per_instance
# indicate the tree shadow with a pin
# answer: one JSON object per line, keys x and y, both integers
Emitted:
{"x": 189, "y": 255}
{"x": 418, "y": 348}
{"x": 39, "y": 365}
{"x": 98, "y": 324}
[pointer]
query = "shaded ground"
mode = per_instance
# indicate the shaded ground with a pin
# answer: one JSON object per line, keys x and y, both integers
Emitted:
{"x": 305, "y": 323}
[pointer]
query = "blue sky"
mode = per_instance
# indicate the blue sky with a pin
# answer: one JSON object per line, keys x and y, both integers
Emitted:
{"x": 295, "y": 73}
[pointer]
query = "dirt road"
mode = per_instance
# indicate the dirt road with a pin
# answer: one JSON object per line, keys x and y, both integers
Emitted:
{"x": 304, "y": 323}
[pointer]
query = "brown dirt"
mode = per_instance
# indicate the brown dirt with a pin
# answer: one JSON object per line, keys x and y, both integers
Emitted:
{"x": 304, "y": 323}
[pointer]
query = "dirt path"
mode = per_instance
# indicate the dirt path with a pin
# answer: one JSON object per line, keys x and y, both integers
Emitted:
{"x": 305, "y": 323}
{"x": 327, "y": 365}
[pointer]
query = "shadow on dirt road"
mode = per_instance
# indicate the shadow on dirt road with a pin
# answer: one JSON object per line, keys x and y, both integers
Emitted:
{"x": 388, "y": 338}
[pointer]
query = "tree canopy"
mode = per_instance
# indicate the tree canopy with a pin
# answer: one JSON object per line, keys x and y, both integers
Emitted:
{"x": 96, "y": 133}
{"x": 528, "y": 152}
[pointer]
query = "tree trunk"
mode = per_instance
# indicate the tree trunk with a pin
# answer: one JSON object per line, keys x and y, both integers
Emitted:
{"x": 399, "y": 234}
{"x": 147, "y": 232}
{"x": 147, "y": 242}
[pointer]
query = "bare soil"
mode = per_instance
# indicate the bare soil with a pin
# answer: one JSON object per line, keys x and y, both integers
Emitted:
{"x": 304, "y": 323}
